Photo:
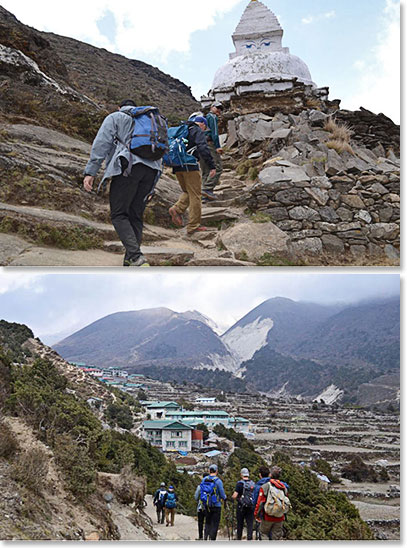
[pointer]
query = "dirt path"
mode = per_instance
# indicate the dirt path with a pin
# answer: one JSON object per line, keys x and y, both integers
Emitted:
{"x": 185, "y": 527}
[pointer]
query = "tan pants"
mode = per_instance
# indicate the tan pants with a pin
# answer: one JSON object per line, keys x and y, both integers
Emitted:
{"x": 191, "y": 184}
{"x": 273, "y": 529}
{"x": 169, "y": 515}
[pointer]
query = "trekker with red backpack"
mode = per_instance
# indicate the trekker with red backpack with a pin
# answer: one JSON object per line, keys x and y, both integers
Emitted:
{"x": 244, "y": 491}
{"x": 272, "y": 505}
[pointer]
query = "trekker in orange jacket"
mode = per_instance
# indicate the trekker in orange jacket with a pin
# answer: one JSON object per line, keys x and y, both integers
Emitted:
{"x": 271, "y": 528}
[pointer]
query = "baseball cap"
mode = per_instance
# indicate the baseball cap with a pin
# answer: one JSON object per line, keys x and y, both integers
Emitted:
{"x": 245, "y": 472}
{"x": 213, "y": 468}
{"x": 217, "y": 104}
{"x": 202, "y": 120}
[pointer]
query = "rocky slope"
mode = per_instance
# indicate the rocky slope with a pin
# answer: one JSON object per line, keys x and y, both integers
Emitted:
{"x": 292, "y": 193}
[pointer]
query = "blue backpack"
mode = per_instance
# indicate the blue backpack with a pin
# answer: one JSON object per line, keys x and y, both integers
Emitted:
{"x": 178, "y": 155}
{"x": 149, "y": 137}
{"x": 209, "y": 495}
{"x": 171, "y": 501}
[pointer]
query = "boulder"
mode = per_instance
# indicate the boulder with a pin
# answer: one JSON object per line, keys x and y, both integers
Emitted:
{"x": 281, "y": 134}
{"x": 317, "y": 118}
{"x": 255, "y": 239}
{"x": 232, "y": 134}
{"x": 252, "y": 129}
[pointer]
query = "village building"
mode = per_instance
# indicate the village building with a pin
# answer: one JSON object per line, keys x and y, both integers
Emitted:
{"x": 210, "y": 418}
{"x": 160, "y": 409}
{"x": 205, "y": 400}
{"x": 169, "y": 435}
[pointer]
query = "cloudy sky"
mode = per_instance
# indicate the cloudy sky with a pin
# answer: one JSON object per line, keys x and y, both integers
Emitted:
{"x": 351, "y": 46}
{"x": 56, "y": 305}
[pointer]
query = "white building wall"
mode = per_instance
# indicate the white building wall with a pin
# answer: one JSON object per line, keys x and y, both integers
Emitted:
{"x": 181, "y": 442}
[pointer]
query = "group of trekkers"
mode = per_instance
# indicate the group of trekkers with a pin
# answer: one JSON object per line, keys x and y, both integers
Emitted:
{"x": 261, "y": 506}
{"x": 135, "y": 142}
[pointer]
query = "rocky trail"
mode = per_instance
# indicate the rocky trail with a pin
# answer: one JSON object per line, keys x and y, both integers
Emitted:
{"x": 285, "y": 198}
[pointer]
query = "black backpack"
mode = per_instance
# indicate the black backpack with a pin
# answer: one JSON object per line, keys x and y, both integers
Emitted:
{"x": 246, "y": 500}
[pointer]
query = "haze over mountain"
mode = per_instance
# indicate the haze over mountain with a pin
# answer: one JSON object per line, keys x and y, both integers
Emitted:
{"x": 281, "y": 346}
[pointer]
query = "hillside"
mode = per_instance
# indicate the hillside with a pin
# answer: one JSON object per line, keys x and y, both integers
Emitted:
{"x": 68, "y": 472}
{"x": 304, "y": 182}
{"x": 281, "y": 346}
{"x": 146, "y": 338}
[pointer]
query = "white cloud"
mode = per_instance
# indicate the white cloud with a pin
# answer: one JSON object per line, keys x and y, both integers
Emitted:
{"x": 379, "y": 81}
{"x": 11, "y": 281}
{"x": 320, "y": 17}
{"x": 155, "y": 27}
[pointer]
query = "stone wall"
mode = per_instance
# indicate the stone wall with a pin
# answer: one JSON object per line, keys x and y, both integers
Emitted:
{"x": 326, "y": 201}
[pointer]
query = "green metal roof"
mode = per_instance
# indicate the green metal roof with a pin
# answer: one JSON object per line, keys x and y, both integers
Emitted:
{"x": 165, "y": 425}
{"x": 160, "y": 404}
{"x": 199, "y": 414}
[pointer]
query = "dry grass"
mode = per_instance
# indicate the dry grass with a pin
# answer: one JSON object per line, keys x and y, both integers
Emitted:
{"x": 340, "y": 132}
{"x": 31, "y": 469}
{"x": 341, "y": 136}
{"x": 340, "y": 146}
{"x": 8, "y": 442}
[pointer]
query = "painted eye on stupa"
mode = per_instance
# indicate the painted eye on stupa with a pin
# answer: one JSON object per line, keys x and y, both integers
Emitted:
{"x": 266, "y": 44}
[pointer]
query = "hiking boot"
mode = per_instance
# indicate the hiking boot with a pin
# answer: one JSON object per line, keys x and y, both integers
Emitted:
{"x": 209, "y": 195}
{"x": 176, "y": 217}
{"x": 140, "y": 261}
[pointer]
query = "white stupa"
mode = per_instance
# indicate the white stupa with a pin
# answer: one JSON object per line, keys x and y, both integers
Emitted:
{"x": 260, "y": 62}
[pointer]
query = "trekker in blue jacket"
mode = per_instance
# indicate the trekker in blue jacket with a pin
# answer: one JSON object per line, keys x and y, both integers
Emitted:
{"x": 214, "y": 512}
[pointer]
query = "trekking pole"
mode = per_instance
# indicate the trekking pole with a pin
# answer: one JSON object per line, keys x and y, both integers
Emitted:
{"x": 233, "y": 520}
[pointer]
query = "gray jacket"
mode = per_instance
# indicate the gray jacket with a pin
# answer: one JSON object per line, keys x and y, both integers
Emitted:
{"x": 109, "y": 145}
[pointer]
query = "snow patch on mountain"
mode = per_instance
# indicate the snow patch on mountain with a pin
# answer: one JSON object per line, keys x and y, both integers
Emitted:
{"x": 330, "y": 395}
{"x": 244, "y": 341}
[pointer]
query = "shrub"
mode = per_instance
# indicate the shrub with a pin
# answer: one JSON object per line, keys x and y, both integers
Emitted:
{"x": 31, "y": 469}
{"x": 8, "y": 442}
{"x": 253, "y": 173}
{"x": 357, "y": 470}
{"x": 76, "y": 466}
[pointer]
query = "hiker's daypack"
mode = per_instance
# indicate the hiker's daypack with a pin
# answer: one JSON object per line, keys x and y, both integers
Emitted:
{"x": 277, "y": 503}
{"x": 246, "y": 499}
{"x": 149, "y": 138}
{"x": 171, "y": 501}
{"x": 209, "y": 492}
{"x": 161, "y": 496}
{"x": 178, "y": 154}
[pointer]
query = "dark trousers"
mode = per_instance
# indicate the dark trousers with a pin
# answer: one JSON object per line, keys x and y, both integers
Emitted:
{"x": 212, "y": 523}
{"x": 127, "y": 205}
{"x": 201, "y": 521}
{"x": 244, "y": 514}
{"x": 160, "y": 513}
